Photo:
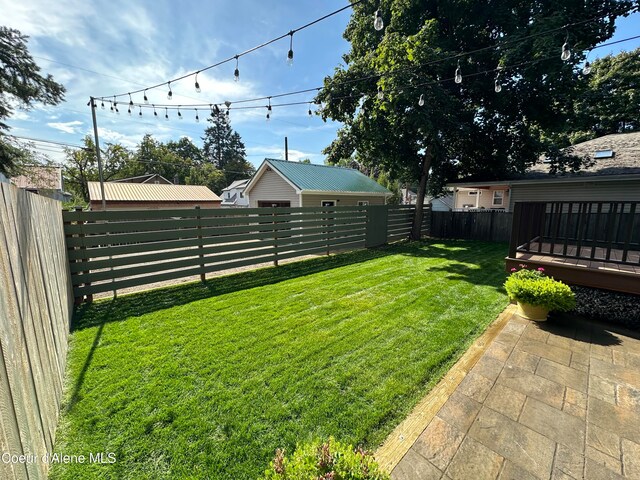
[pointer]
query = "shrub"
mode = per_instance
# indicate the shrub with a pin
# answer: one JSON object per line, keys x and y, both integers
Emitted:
{"x": 331, "y": 460}
{"x": 535, "y": 288}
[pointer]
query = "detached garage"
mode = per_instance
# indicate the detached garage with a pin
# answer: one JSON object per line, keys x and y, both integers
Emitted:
{"x": 281, "y": 183}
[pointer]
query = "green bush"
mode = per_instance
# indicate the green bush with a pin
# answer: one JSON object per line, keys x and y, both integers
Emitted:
{"x": 329, "y": 460}
{"x": 535, "y": 288}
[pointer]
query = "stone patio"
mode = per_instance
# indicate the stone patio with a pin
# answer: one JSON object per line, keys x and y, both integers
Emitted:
{"x": 552, "y": 400}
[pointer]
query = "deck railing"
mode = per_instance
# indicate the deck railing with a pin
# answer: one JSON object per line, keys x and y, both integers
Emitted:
{"x": 600, "y": 231}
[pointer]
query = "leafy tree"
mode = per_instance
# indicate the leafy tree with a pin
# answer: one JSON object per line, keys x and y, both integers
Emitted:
{"x": 610, "y": 98}
{"x": 21, "y": 84}
{"x": 224, "y": 149}
{"x": 463, "y": 129}
{"x": 81, "y": 166}
{"x": 208, "y": 175}
{"x": 305, "y": 160}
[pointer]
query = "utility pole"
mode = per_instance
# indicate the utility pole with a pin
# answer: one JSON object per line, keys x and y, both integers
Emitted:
{"x": 92, "y": 102}
{"x": 286, "y": 149}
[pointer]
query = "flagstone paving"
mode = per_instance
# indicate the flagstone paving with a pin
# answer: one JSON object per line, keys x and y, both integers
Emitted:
{"x": 551, "y": 400}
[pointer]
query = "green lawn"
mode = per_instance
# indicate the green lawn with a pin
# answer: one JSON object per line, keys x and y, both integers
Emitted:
{"x": 205, "y": 381}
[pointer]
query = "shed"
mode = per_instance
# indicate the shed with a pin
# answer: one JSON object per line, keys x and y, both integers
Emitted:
{"x": 145, "y": 196}
{"x": 292, "y": 184}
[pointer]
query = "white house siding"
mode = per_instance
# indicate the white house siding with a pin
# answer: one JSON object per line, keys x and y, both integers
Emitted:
{"x": 314, "y": 200}
{"x": 272, "y": 187}
{"x": 485, "y": 200}
{"x": 576, "y": 192}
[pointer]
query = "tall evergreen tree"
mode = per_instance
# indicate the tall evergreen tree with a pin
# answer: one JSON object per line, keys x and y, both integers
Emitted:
{"x": 224, "y": 148}
{"x": 21, "y": 82}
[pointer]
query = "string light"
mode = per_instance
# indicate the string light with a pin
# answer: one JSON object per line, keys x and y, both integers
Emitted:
{"x": 380, "y": 94}
{"x": 586, "y": 70}
{"x": 497, "y": 86}
{"x": 166, "y": 113}
{"x": 130, "y": 101}
{"x": 421, "y": 100}
{"x": 169, "y": 93}
{"x": 566, "y": 51}
{"x": 140, "y": 112}
{"x": 146, "y": 100}
{"x": 102, "y": 104}
{"x": 310, "y": 112}
{"x": 197, "y": 85}
{"x": 155, "y": 114}
{"x": 129, "y": 110}
{"x": 378, "y": 23}
{"x": 458, "y": 75}
{"x": 179, "y": 114}
{"x": 290, "y": 52}
{"x": 197, "y": 117}
{"x": 111, "y": 107}
{"x": 236, "y": 72}
{"x": 269, "y": 110}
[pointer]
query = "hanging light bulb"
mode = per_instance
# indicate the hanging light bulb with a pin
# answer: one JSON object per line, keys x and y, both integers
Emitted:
{"x": 140, "y": 112}
{"x": 169, "y": 93}
{"x": 236, "y": 72}
{"x": 586, "y": 70}
{"x": 179, "y": 114}
{"x": 197, "y": 117}
{"x": 380, "y": 94}
{"x": 197, "y": 85}
{"x": 166, "y": 113}
{"x": 421, "y": 100}
{"x": 378, "y": 23}
{"x": 310, "y": 112}
{"x": 115, "y": 104}
{"x": 269, "y": 110}
{"x": 458, "y": 76}
{"x": 146, "y": 100}
{"x": 111, "y": 106}
{"x": 130, "y": 101}
{"x": 497, "y": 86}
{"x": 216, "y": 108}
{"x": 566, "y": 51}
{"x": 129, "y": 111}
{"x": 290, "y": 52}
{"x": 155, "y": 114}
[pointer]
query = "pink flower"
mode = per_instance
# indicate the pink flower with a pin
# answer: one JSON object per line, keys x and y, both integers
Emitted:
{"x": 514, "y": 269}
{"x": 540, "y": 269}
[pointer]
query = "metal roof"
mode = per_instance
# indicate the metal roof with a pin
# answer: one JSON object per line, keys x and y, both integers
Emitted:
{"x": 325, "y": 178}
{"x": 145, "y": 192}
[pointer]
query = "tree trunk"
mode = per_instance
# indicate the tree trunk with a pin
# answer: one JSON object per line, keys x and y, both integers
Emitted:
{"x": 416, "y": 229}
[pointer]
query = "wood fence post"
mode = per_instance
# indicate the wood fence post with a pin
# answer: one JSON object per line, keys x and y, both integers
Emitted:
{"x": 275, "y": 237}
{"x": 200, "y": 246}
{"x": 80, "y": 299}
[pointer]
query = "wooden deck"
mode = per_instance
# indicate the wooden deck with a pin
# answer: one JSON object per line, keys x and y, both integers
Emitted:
{"x": 579, "y": 268}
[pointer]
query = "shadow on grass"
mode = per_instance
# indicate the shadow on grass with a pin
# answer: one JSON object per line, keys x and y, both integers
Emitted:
{"x": 136, "y": 304}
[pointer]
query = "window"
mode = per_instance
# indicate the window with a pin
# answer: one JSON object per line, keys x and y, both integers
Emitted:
{"x": 474, "y": 192}
{"x": 498, "y": 198}
{"x": 604, "y": 154}
{"x": 241, "y": 195}
{"x": 328, "y": 203}
{"x": 363, "y": 203}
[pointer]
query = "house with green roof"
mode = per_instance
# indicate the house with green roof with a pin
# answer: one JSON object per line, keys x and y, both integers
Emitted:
{"x": 282, "y": 183}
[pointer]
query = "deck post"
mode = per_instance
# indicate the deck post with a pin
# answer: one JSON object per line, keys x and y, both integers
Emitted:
{"x": 515, "y": 229}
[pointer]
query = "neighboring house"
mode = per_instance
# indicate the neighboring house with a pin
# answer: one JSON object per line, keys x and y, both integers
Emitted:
{"x": 439, "y": 204}
{"x": 233, "y": 195}
{"x": 293, "y": 184}
{"x": 136, "y": 196}
{"x": 45, "y": 181}
{"x": 612, "y": 174}
{"x": 152, "y": 178}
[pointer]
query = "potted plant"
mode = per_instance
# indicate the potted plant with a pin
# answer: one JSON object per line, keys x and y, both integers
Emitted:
{"x": 537, "y": 294}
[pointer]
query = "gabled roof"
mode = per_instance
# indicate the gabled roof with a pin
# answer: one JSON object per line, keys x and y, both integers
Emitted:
{"x": 38, "y": 177}
{"x": 312, "y": 178}
{"x": 148, "y": 192}
{"x": 237, "y": 184}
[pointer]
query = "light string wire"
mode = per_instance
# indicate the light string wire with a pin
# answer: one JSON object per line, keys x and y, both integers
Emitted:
{"x": 235, "y": 57}
{"x": 498, "y": 69}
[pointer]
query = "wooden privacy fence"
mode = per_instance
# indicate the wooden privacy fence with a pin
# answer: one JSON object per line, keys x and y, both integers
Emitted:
{"x": 119, "y": 249}
{"x": 490, "y": 225}
{"x": 36, "y": 304}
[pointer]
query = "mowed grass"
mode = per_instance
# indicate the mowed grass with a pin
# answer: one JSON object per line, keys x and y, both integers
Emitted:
{"x": 206, "y": 381}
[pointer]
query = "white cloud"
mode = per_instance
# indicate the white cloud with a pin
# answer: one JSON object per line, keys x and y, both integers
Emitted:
{"x": 66, "y": 127}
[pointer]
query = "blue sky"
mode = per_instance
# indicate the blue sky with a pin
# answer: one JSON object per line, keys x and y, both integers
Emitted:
{"x": 103, "y": 47}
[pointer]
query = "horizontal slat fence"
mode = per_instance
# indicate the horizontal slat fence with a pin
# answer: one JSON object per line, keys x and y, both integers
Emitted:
{"x": 112, "y": 250}
{"x": 36, "y": 304}
{"x": 490, "y": 225}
